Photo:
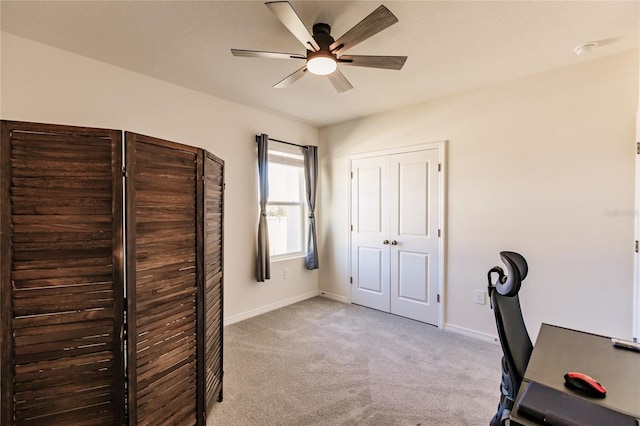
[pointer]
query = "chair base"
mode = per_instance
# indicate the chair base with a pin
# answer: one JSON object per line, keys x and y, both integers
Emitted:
{"x": 503, "y": 413}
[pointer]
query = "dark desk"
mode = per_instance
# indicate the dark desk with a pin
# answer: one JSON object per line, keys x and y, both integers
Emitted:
{"x": 559, "y": 350}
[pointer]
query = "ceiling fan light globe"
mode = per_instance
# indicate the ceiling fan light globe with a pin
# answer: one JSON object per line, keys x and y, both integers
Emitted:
{"x": 321, "y": 65}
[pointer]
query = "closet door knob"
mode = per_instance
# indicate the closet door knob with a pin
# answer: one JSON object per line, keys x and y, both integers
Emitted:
{"x": 385, "y": 242}
{"x": 394, "y": 243}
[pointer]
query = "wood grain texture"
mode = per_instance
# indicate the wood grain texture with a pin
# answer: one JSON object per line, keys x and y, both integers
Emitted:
{"x": 213, "y": 280}
{"x": 162, "y": 242}
{"x": 62, "y": 279}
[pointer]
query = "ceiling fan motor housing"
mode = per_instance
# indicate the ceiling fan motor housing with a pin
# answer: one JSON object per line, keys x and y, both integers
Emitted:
{"x": 322, "y": 36}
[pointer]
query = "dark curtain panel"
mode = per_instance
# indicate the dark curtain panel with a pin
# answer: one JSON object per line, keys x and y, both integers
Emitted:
{"x": 263, "y": 264}
{"x": 311, "y": 180}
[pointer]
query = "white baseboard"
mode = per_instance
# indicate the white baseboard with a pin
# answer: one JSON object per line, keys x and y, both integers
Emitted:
{"x": 472, "y": 333}
{"x": 334, "y": 296}
{"x": 268, "y": 308}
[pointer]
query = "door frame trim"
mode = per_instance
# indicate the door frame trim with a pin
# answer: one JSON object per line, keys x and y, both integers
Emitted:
{"x": 635, "y": 326}
{"x": 441, "y": 146}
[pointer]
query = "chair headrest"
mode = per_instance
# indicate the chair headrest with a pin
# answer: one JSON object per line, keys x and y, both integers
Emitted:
{"x": 515, "y": 259}
{"x": 517, "y": 269}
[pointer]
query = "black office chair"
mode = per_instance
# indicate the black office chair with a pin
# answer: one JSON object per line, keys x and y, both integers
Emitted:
{"x": 514, "y": 339}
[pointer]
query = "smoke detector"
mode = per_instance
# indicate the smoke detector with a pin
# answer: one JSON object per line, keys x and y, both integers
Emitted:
{"x": 585, "y": 49}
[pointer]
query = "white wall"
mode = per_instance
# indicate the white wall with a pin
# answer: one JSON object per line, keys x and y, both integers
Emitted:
{"x": 543, "y": 166}
{"x": 42, "y": 84}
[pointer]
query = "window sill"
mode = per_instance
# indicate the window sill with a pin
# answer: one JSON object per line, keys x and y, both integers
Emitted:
{"x": 283, "y": 257}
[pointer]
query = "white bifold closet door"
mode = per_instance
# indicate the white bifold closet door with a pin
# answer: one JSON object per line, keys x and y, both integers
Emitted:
{"x": 395, "y": 249}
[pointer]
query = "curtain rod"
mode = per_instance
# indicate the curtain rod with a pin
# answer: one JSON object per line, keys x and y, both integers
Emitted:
{"x": 288, "y": 143}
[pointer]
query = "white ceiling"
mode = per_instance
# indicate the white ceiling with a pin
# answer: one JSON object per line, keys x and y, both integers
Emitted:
{"x": 453, "y": 46}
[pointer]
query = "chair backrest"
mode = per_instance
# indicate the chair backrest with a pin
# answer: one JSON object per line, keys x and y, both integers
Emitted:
{"x": 514, "y": 338}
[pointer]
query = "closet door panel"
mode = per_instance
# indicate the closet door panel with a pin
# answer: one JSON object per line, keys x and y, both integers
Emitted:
{"x": 163, "y": 245}
{"x": 62, "y": 279}
{"x": 213, "y": 288}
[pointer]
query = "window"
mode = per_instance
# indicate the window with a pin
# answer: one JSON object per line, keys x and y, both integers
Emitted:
{"x": 286, "y": 205}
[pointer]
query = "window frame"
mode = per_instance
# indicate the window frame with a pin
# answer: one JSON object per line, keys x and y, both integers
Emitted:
{"x": 284, "y": 155}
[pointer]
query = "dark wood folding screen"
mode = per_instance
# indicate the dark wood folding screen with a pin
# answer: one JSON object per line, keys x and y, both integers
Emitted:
{"x": 163, "y": 192}
{"x": 65, "y": 319}
{"x": 62, "y": 292}
{"x": 212, "y": 298}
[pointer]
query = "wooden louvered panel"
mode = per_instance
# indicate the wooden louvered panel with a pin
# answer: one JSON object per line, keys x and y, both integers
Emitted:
{"x": 62, "y": 294}
{"x": 61, "y": 256}
{"x": 213, "y": 289}
{"x": 162, "y": 205}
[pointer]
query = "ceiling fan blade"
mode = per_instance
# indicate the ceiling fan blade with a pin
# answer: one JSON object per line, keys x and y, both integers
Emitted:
{"x": 386, "y": 62}
{"x": 377, "y": 21}
{"x": 290, "y": 79}
{"x": 290, "y": 19}
{"x": 339, "y": 81}
{"x": 270, "y": 55}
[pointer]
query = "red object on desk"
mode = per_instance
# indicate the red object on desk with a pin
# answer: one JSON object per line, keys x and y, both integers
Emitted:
{"x": 584, "y": 383}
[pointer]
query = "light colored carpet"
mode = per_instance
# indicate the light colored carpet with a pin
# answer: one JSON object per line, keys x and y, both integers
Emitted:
{"x": 321, "y": 362}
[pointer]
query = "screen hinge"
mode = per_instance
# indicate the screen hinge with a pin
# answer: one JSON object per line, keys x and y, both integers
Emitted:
{"x": 124, "y": 172}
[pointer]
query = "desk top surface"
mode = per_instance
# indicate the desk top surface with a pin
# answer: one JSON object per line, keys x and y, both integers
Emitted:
{"x": 559, "y": 350}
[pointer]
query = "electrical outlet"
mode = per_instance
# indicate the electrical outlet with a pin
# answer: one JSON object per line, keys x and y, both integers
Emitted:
{"x": 478, "y": 296}
{"x": 286, "y": 273}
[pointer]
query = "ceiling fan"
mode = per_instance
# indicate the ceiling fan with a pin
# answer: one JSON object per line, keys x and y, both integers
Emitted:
{"x": 323, "y": 52}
